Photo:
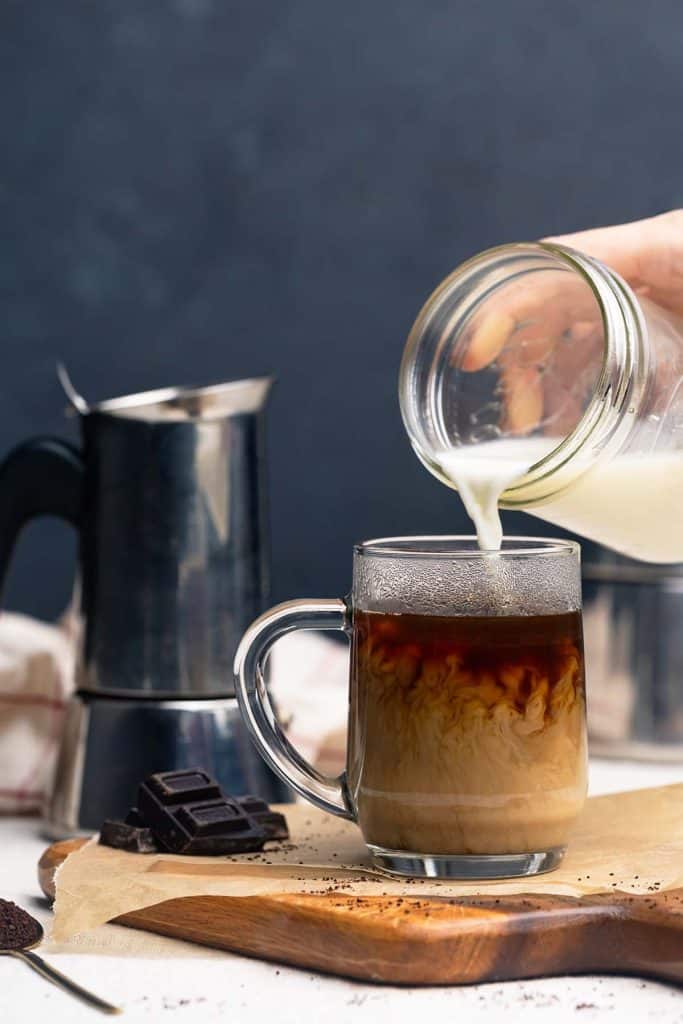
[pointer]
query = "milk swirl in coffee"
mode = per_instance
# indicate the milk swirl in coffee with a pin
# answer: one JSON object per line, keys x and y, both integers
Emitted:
{"x": 467, "y": 734}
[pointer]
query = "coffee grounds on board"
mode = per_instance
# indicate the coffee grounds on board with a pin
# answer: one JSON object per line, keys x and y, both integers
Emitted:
{"x": 17, "y": 928}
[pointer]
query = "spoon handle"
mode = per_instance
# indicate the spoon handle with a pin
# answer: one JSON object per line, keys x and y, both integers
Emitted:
{"x": 57, "y": 978}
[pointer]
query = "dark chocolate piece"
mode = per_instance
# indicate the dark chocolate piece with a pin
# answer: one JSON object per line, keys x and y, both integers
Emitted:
{"x": 123, "y": 836}
{"x": 194, "y": 785}
{"x": 273, "y": 822}
{"x": 134, "y": 818}
{"x": 188, "y": 814}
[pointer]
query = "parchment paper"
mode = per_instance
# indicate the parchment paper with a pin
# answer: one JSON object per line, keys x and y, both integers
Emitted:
{"x": 628, "y": 841}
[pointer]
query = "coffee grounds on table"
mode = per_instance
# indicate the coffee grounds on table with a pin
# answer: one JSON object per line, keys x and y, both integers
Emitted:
{"x": 17, "y": 928}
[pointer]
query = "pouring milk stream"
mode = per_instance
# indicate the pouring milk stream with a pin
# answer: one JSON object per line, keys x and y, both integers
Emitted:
{"x": 534, "y": 379}
{"x": 625, "y": 504}
{"x": 481, "y": 473}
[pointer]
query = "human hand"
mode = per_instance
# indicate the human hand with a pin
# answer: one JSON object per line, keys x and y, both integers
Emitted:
{"x": 567, "y": 337}
{"x": 647, "y": 253}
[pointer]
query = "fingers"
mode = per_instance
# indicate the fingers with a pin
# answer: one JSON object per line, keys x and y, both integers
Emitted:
{"x": 537, "y": 331}
{"x": 552, "y": 394}
{"x": 524, "y": 321}
{"x": 647, "y": 253}
{"x": 486, "y": 339}
{"x": 522, "y": 391}
{"x": 544, "y": 333}
{"x": 618, "y": 246}
{"x": 569, "y": 378}
{"x": 537, "y": 311}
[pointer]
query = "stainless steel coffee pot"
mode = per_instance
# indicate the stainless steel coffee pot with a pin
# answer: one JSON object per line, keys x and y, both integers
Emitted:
{"x": 168, "y": 496}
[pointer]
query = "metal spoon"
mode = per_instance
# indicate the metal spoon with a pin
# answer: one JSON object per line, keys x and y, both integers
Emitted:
{"x": 55, "y": 976}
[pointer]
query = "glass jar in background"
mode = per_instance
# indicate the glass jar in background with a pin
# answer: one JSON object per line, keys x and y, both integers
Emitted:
{"x": 543, "y": 366}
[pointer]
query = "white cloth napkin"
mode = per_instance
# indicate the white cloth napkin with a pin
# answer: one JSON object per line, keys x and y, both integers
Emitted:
{"x": 36, "y": 678}
{"x": 309, "y": 681}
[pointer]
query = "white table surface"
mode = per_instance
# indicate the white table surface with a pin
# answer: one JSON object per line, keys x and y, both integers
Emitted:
{"x": 206, "y": 986}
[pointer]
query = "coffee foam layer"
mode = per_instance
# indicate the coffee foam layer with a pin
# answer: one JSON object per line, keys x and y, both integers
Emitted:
{"x": 543, "y": 583}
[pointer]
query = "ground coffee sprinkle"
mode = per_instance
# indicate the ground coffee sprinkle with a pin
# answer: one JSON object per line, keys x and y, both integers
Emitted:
{"x": 17, "y": 928}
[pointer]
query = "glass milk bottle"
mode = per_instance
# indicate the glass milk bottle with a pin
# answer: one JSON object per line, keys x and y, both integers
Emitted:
{"x": 535, "y": 379}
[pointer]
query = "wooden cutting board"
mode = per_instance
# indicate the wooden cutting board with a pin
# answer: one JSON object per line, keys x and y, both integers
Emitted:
{"x": 427, "y": 941}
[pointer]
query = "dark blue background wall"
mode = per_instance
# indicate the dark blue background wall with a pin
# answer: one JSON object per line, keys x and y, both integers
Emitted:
{"x": 194, "y": 190}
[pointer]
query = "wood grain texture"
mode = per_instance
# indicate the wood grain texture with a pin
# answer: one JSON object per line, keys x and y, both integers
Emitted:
{"x": 432, "y": 941}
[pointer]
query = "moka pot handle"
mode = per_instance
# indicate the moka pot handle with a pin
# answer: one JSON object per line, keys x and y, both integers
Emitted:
{"x": 40, "y": 477}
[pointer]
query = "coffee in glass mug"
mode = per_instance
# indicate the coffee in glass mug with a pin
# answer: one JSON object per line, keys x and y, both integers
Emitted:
{"x": 467, "y": 737}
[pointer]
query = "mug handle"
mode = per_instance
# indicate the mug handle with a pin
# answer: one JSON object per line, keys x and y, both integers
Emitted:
{"x": 325, "y": 791}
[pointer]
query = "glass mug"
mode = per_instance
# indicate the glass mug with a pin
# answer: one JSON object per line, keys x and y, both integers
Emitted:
{"x": 466, "y": 739}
